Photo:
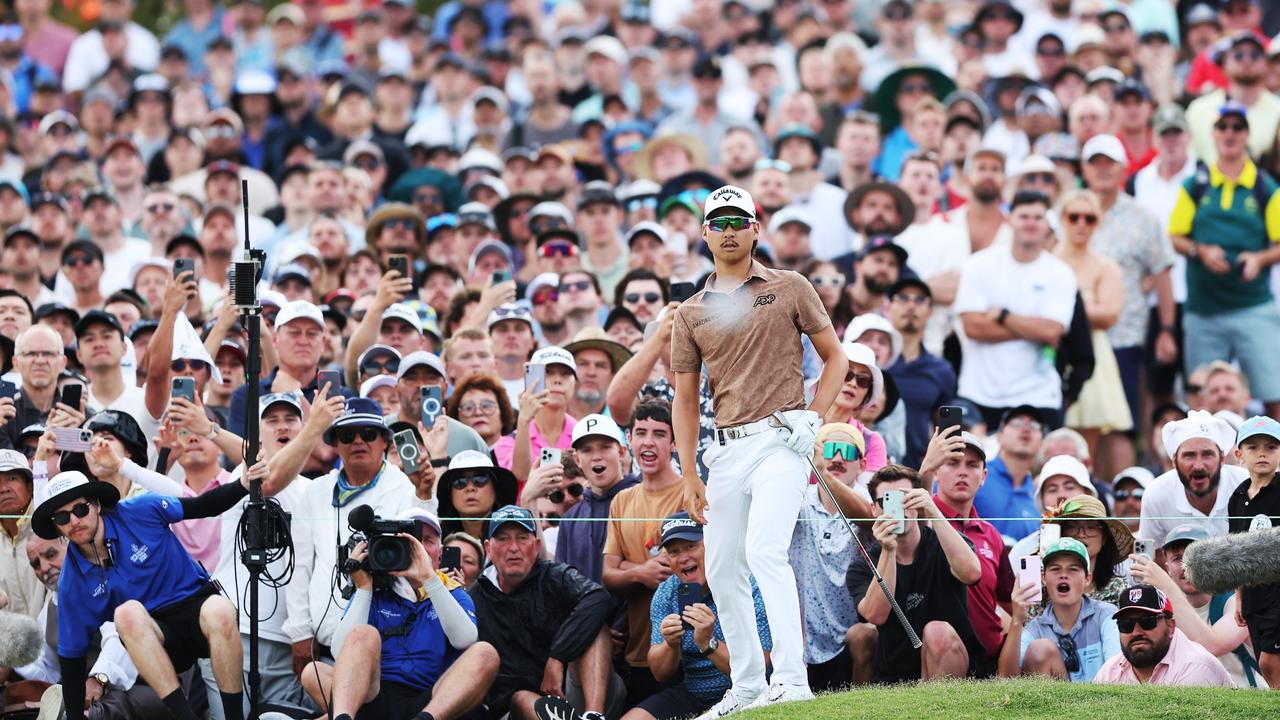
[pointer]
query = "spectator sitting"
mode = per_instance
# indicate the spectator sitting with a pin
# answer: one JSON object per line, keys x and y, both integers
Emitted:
{"x": 1074, "y": 636}
{"x": 599, "y": 452}
{"x": 471, "y": 558}
{"x": 472, "y": 488}
{"x": 686, "y": 636}
{"x": 1153, "y": 650}
{"x": 863, "y": 386}
{"x": 1109, "y": 543}
{"x": 1127, "y": 491}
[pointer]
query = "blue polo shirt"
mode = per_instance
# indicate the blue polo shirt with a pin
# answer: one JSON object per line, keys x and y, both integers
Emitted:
{"x": 924, "y": 383}
{"x": 415, "y": 650}
{"x": 999, "y": 499}
{"x": 1094, "y": 633}
{"x": 148, "y": 564}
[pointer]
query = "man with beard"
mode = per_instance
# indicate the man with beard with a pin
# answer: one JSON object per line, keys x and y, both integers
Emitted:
{"x": 581, "y": 299}
{"x": 926, "y": 381}
{"x": 858, "y": 142}
{"x": 982, "y": 219}
{"x": 162, "y": 217}
{"x": 297, "y": 118}
{"x": 52, "y": 224}
{"x": 600, "y": 451}
{"x": 543, "y": 293}
{"x": 1200, "y": 484}
{"x": 1245, "y": 63}
{"x": 1012, "y": 328}
{"x": 598, "y": 359}
{"x": 875, "y": 209}
{"x": 877, "y": 269}
{"x": 1153, "y": 651}
{"x": 771, "y": 186}
{"x": 739, "y": 152}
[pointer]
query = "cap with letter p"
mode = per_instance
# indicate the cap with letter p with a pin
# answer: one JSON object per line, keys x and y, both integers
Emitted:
{"x": 597, "y": 425}
{"x": 729, "y": 197}
{"x": 1070, "y": 546}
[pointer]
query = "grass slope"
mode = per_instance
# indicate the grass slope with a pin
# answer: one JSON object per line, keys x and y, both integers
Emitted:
{"x": 1026, "y": 698}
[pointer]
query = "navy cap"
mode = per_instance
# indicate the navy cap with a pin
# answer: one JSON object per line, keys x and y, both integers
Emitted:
{"x": 511, "y": 514}
{"x": 885, "y": 242}
{"x": 680, "y": 527}
{"x": 97, "y": 317}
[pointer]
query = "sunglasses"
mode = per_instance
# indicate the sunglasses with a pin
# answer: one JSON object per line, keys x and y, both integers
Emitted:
{"x": 545, "y": 295}
{"x": 637, "y": 204}
{"x": 484, "y": 407}
{"x": 558, "y": 248}
{"x": 1070, "y": 656}
{"x": 649, "y": 297}
{"x": 77, "y": 260}
{"x": 1231, "y": 127}
{"x": 859, "y": 379}
{"x": 427, "y": 198}
{"x": 158, "y": 208}
{"x": 346, "y": 436}
{"x": 628, "y": 148}
{"x": 390, "y": 366}
{"x": 737, "y": 222}
{"x": 1125, "y": 625}
{"x": 1051, "y": 52}
{"x": 911, "y": 298}
{"x": 184, "y": 364}
{"x": 1088, "y": 218}
{"x": 916, "y": 88}
{"x": 848, "y": 451}
{"x": 367, "y": 163}
{"x": 1116, "y": 27}
{"x": 462, "y": 481}
{"x": 539, "y": 226}
{"x": 221, "y": 132}
{"x": 63, "y": 517}
{"x": 402, "y": 223}
{"x": 577, "y": 286}
{"x": 1135, "y": 493}
{"x": 1246, "y": 55}
{"x": 1040, "y": 178}
{"x": 834, "y": 281}
{"x": 557, "y": 496}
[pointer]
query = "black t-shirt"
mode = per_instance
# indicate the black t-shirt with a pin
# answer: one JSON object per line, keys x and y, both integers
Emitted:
{"x": 927, "y": 591}
{"x": 1262, "y": 507}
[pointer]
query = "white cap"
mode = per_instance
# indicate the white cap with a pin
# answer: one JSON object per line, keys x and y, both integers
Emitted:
{"x": 299, "y": 310}
{"x": 608, "y": 46}
{"x": 730, "y": 196}
{"x": 600, "y": 425}
{"x": 863, "y": 355}
{"x": 789, "y": 214}
{"x": 401, "y": 311}
{"x": 1105, "y": 145}
{"x": 272, "y": 298}
{"x": 555, "y": 356}
{"x": 422, "y": 515}
{"x": 1104, "y": 74}
{"x": 1137, "y": 473}
{"x": 872, "y": 321}
{"x": 546, "y": 279}
{"x": 368, "y": 386}
{"x": 1069, "y": 466}
{"x": 420, "y": 357}
{"x": 374, "y": 349}
{"x": 510, "y": 311}
{"x": 155, "y": 262}
{"x": 15, "y": 461}
{"x": 481, "y": 159}
{"x": 1035, "y": 164}
{"x": 1197, "y": 424}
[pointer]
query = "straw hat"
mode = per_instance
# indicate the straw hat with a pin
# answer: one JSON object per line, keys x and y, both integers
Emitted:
{"x": 1088, "y": 507}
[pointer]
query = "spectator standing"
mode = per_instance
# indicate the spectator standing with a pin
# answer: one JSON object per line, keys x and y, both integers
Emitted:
{"x": 1009, "y": 491}
{"x": 598, "y": 450}
{"x": 925, "y": 380}
{"x": 1250, "y": 509}
{"x": 1201, "y": 481}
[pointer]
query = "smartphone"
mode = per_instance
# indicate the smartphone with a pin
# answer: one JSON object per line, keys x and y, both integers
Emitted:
{"x": 432, "y": 404}
{"x": 70, "y": 395}
{"x": 332, "y": 378}
{"x": 1050, "y": 533}
{"x": 501, "y": 276}
{"x": 950, "y": 416}
{"x": 182, "y": 266}
{"x": 451, "y": 558}
{"x": 1144, "y": 547}
{"x": 549, "y": 456}
{"x": 72, "y": 439}
{"x": 184, "y": 387}
{"x": 7, "y": 389}
{"x": 1030, "y": 575}
{"x": 407, "y": 448}
{"x": 894, "y": 508}
{"x": 400, "y": 263}
{"x": 535, "y": 377}
{"x": 688, "y": 594}
{"x": 682, "y": 291}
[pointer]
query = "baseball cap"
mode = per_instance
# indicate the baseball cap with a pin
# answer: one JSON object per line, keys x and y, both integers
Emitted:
{"x": 292, "y": 399}
{"x": 422, "y": 515}
{"x": 647, "y": 227}
{"x": 1068, "y": 466}
{"x": 1106, "y": 145}
{"x": 680, "y": 527}
{"x": 15, "y": 461}
{"x": 511, "y": 514}
{"x": 555, "y": 356}
{"x": 1258, "y": 425}
{"x": 597, "y": 191}
{"x": 476, "y": 213}
{"x": 1067, "y": 545}
{"x": 97, "y": 317}
{"x": 1137, "y": 473}
{"x": 293, "y": 270}
{"x": 789, "y": 214}
{"x": 1021, "y": 410}
{"x": 1185, "y": 533}
{"x": 420, "y": 358}
{"x": 401, "y": 311}
{"x": 1132, "y": 86}
{"x": 1233, "y": 107}
{"x": 299, "y": 310}
{"x": 1144, "y": 599}
{"x": 731, "y": 197}
{"x": 1169, "y": 117}
{"x": 510, "y": 311}
{"x": 972, "y": 442}
{"x": 876, "y": 243}
{"x": 596, "y": 425}
{"x": 377, "y": 381}
{"x": 911, "y": 282}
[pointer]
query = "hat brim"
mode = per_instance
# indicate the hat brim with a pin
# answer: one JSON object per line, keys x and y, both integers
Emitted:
{"x": 328, "y": 434}
{"x": 42, "y": 517}
{"x": 885, "y": 100}
{"x": 690, "y": 144}
{"x": 689, "y": 535}
{"x": 1120, "y": 533}
{"x": 618, "y": 355}
{"x": 906, "y": 209}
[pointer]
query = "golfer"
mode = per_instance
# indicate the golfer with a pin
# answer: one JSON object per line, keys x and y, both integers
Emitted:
{"x": 745, "y": 327}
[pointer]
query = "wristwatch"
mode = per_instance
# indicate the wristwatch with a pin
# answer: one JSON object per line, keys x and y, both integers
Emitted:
{"x": 102, "y": 679}
{"x": 1004, "y": 315}
{"x": 711, "y": 647}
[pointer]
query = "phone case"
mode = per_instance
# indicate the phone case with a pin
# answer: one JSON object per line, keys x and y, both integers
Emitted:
{"x": 1029, "y": 573}
{"x": 893, "y": 508}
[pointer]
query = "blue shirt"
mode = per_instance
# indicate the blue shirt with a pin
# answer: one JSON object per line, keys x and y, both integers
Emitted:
{"x": 999, "y": 499}
{"x": 148, "y": 564}
{"x": 924, "y": 383}
{"x": 702, "y": 678}
{"x": 194, "y": 42}
{"x": 895, "y": 149}
{"x": 1094, "y": 633}
{"x": 415, "y": 650}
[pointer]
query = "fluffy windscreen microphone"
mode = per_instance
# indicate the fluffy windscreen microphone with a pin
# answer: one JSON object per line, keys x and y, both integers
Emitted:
{"x": 20, "y": 639}
{"x": 1226, "y": 562}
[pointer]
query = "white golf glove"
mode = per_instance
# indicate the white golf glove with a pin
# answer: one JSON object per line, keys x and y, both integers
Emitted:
{"x": 804, "y": 430}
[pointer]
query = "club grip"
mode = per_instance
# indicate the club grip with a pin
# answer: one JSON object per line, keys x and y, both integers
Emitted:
{"x": 902, "y": 617}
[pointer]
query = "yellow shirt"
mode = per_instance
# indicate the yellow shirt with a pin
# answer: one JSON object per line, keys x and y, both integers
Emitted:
{"x": 1202, "y": 113}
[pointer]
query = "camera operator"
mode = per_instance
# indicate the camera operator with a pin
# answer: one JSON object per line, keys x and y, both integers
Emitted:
{"x": 408, "y": 651}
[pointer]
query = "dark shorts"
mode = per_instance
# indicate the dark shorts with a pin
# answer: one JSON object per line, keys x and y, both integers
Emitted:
{"x": 674, "y": 702}
{"x": 1264, "y": 630}
{"x": 394, "y": 702}
{"x": 833, "y": 675}
{"x": 180, "y": 623}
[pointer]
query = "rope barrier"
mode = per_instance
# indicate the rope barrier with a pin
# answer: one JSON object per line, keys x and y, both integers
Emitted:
{"x": 1184, "y": 518}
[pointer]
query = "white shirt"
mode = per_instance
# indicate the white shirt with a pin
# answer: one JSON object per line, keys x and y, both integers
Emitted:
{"x": 1008, "y": 139}
{"x": 87, "y": 59}
{"x": 1165, "y": 505}
{"x": 1013, "y": 372}
{"x": 118, "y": 264}
{"x": 826, "y": 202}
{"x": 934, "y": 247}
{"x": 1159, "y": 196}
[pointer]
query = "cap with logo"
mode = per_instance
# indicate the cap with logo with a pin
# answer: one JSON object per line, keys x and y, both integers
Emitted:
{"x": 729, "y": 198}
{"x": 510, "y": 311}
{"x": 401, "y": 311}
{"x": 420, "y": 358}
{"x": 1169, "y": 117}
{"x": 359, "y": 412}
{"x": 1067, "y": 545}
{"x": 680, "y": 527}
{"x": 1234, "y": 108}
{"x": 596, "y": 425}
{"x": 1066, "y": 466}
{"x": 510, "y": 514}
{"x": 299, "y": 310}
{"x": 1258, "y": 425}
{"x": 1144, "y": 599}
{"x": 292, "y": 399}
{"x": 1138, "y": 474}
{"x": 555, "y": 356}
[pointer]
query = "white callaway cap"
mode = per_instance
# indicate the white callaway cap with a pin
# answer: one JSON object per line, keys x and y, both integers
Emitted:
{"x": 730, "y": 196}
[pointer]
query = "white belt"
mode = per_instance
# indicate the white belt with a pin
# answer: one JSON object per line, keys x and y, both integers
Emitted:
{"x": 737, "y": 432}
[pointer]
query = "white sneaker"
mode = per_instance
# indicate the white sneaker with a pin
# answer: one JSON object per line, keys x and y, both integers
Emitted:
{"x": 51, "y": 704}
{"x": 778, "y": 694}
{"x": 731, "y": 703}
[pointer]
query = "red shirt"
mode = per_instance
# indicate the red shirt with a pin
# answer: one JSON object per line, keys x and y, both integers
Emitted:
{"x": 997, "y": 576}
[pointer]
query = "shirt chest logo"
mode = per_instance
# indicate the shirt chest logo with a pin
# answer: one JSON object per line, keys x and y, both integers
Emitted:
{"x": 913, "y": 601}
{"x": 139, "y": 553}
{"x": 985, "y": 551}
{"x": 100, "y": 590}
{"x": 762, "y": 300}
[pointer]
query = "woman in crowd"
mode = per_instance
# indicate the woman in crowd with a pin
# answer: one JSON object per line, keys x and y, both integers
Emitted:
{"x": 829, "y": 283}
{"x": 481, "y": 403}
{"x": 864, "y": 385}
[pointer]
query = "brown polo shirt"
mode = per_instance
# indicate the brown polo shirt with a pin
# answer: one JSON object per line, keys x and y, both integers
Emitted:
{"x": 750, "y": 342}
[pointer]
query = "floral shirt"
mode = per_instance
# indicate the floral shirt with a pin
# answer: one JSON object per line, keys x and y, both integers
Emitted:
{"x": 1133, "y": 237}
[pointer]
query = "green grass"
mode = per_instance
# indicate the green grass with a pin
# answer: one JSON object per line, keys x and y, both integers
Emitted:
{"x": 1027, "y": 698}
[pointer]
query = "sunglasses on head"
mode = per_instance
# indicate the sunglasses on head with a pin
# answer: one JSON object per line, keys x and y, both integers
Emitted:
{"x": 557, "y": 496}
{"x": 649, "y": 297}
{"x": 861, "y": 380}
{"x": 346, "y": 436}
{"x": 558, "y": 248}
{"x": 505, "y": 312}
{"x": 184, "y": 364}
{"x": 462, "y": 481}
{"x": 1087, "y": 218}
{"x": 1135, "y": 493}
{"x": 1148, "y": 623}
{"x": 644, "y": 202}
{"x": 848, "y": 451}
{"x": 63, "y": 517}
{"x": 737, "y": 222}
{"x": 390, "y": 366}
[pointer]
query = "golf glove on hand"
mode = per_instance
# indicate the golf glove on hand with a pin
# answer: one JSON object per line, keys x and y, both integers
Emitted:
{"x": 804, "y": 430}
